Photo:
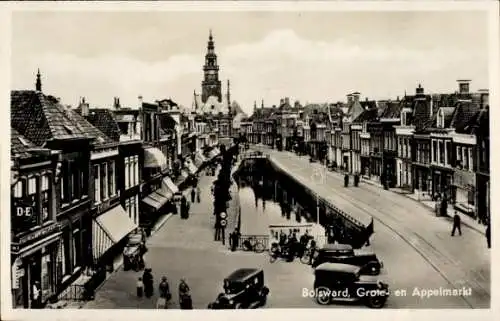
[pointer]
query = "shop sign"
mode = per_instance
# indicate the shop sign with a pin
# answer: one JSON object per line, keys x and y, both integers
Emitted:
{"x": 40, "y": 233}
{"x": 17, "y": 273}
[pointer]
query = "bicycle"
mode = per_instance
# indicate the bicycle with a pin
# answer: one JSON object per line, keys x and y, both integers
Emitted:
{"x": 253, "y": 245}
{"x": 306, "y": 256}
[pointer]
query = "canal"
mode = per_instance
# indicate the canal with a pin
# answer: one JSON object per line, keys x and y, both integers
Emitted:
{"x": 269, "y": 197}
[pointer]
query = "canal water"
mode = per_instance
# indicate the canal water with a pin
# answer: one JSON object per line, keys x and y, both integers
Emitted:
{"x": 268, "y": 198}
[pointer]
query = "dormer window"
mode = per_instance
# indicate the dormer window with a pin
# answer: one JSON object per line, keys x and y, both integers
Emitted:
{"x": 440, "y": 119}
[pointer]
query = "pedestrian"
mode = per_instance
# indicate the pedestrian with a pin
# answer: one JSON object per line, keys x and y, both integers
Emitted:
{"x": 346, "y": 180}
{"x": 456, "y": 225}
{"x": 312, "y": 251}
{"x": 234, "y": 240}
{"x": 488, "y": 235}
{"x": 147, "y": 280}
{"x": 140, "y": 287}
{"x": 185, "y": 301}
{"x": 198, "y": 194}
{"x": 164, "y": 289}
{"x": 193, "y": 194}
{"x": 36, "y": 296}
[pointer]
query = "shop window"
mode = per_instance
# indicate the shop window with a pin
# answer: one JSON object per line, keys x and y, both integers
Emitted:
{"x": 46, "y": 274}
{"x": 61, "y": 264}
{"x": 471, "y": 197}
{"x": 77, "y": 253}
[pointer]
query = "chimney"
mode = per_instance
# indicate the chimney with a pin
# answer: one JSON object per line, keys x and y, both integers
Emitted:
{"x": 274, "y": 106}
{"x": 116, "y": 103}
{"x": 419, "y": 91}
{"x": 287, "y": 100}
{"x": 485, "y": 98}
{"x": 140, "y": 101}
{"x": 84, "y": 108}
{"x": 463, "y": 86}
{"x": 355, "y": 96}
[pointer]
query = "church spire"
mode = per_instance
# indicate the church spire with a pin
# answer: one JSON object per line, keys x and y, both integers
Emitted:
{"x": 211, "y": 85}
{"x": 38, "y": 85}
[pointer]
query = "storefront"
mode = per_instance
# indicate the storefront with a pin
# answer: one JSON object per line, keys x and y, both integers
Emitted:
{"x": 464, "y": 191}
{"x": 442, "y": 182}
{"x": 109, "y": 228}
{"x": 365, "y": 165}
{"x": 34, "y": 258}
{"x": 158, "y": 202}
{"x": 422, "y": 180}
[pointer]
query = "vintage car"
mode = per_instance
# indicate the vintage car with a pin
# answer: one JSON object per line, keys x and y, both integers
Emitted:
{"x": 344, "y": 253}
{"x": 243, "y": 289}
{"x": 134, "y": 250}
{"x": 344, "y": 282}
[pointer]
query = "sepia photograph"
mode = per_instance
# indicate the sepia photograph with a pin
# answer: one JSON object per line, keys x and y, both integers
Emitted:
{"x": 232, "y": 157}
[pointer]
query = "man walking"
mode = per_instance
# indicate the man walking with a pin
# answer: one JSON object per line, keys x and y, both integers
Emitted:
{"x": 456, "y": 225}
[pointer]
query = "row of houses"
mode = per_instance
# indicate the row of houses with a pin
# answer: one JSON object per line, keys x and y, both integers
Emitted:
{"x": 84, "y": 178}
{"x": 429, "y": 144}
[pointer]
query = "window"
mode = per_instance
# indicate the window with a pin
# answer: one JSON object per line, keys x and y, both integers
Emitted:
{"x": 449, "y": 152}
{"x": 111, "y": 178}
{"x": 61, "y": 262}
{"x": 136, "y": 217}
{"x": 103, "y": 181}
{"x": 97, "y": 184}
{"x": 18, "y": 189}
{"x": 471, "y": 162}
{"x": 459, "y": 156}
{"x": 441, "y": 152}
{"x": 127, "y": 207}
{"x": 466, "y": 158}
{"x": 127, "y": 178}
{"x": 135, "y": 170}
{"x": 45, "y": 198}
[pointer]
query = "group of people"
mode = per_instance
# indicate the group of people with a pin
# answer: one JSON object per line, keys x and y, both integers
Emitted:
{"x": 145, "y": 287}
{"x": 356, "y": 180}
{"x": 293, "y": 247}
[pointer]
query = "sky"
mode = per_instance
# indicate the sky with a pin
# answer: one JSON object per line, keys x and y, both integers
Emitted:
{"x": 312, "y": 57}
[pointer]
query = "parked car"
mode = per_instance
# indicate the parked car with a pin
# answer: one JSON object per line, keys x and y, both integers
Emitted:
{"x": 243, "y": 289}
{"x": 344, "y": 282}
{"x": 344, "y": 253}
{"x": 134, "y": 250}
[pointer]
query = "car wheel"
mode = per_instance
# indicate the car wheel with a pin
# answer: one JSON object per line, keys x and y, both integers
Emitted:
{"x": 323, "y": 295}
{"x": 238, "y": 306}
{"x": 376, "y": 302}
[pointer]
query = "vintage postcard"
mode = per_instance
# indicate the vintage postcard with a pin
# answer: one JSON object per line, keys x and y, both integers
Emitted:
{"x": 316, "y": 156}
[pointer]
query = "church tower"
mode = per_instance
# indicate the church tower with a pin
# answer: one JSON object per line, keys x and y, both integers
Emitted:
{"x": 211, "y": 85}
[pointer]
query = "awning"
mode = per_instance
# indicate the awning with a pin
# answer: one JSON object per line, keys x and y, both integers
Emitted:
{"x": 214, "y": 153}
{"x": 171, "y": 185}
{"x": 157, "y": 199}
{"x": 110, "y": 228}
{"x": 191, "y": 167}
{"x": 153, "y": 157}
{"x": 199, "y": 159}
